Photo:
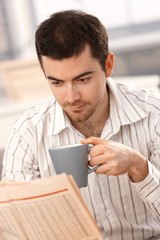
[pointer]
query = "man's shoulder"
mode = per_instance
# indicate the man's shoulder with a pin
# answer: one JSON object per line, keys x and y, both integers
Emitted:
{"x": 43, "y": 107}
{"x": 145, "y": 98}
{"x": 39, "y": 112}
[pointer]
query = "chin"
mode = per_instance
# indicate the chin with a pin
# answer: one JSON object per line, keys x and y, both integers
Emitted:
{"x": 79, "y": 119}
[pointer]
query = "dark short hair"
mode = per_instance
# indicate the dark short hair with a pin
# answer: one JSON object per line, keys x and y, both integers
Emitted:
{"x": 65, "y": 34}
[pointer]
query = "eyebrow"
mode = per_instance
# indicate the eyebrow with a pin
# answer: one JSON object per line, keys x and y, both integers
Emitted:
{"x": 77, "y": 77}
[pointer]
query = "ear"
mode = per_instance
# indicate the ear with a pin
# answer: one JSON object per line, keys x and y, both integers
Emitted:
{"x": 109, "y": 64}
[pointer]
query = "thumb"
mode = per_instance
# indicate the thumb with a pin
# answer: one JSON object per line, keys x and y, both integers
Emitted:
{"x": 92, "y": 140}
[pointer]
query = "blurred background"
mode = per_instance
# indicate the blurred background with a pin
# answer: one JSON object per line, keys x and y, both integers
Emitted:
{"x": 134, "y": 37}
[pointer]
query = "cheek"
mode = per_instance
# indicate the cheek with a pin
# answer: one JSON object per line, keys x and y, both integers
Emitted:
{"x": 97, "y": 90}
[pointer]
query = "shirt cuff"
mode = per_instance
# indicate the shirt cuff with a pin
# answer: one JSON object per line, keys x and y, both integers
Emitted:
{"x": 149, "y": 187}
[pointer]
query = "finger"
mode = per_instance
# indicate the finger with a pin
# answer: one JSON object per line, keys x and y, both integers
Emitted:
{"x": 92, "y": 140}
{"x": 97, "y": 160}
{"x": 105, "y": 169}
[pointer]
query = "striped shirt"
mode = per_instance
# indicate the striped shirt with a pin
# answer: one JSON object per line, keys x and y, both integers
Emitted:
{"x": 121, "y": 208}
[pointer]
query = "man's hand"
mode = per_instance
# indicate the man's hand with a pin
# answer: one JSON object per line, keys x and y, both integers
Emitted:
{"x": 116, "y": 159}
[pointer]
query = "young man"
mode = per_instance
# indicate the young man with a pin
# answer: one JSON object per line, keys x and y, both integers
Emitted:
{"x": 87, "y": 106}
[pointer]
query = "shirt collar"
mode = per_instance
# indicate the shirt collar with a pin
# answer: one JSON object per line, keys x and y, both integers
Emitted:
{"x": 57, "y": 121}
{"x": 123, "y": 110}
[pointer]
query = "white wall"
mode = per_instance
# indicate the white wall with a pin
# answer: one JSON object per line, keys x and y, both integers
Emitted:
{"x": 19, "y": 27}
{"x": 111, "y": 12}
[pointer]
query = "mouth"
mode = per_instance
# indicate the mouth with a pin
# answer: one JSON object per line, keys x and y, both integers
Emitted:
{"x": 76, "y": 108}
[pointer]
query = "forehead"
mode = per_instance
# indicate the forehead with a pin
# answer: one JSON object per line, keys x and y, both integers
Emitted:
{"x": 70, "y": 66}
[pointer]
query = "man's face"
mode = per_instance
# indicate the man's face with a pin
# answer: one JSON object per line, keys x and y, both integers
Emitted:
{"x": 78, "y": 84}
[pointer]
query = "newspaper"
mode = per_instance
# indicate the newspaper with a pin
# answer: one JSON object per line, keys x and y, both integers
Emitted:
{"x": 45, "y": 209}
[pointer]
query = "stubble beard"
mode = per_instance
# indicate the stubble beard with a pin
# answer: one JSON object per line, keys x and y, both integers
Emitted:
{"x": 79, "y": 117}
{"x": 85, "y": 115}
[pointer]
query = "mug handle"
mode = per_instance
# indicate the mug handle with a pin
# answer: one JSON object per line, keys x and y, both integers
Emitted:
{"x": 91, "y": 169}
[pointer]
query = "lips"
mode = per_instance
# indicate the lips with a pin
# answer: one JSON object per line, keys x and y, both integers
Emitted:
{"x": 76, "y": 108}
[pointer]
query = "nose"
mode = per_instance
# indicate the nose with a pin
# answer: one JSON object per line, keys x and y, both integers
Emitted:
{"x": 72, "y": 94}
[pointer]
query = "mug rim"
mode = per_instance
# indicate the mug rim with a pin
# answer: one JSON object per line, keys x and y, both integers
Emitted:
{"x": 67, "y": 146}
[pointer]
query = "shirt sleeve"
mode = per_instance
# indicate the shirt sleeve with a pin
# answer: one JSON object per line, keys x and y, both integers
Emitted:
{"x": 19, "y": 162}
{"x": 149, "y": 188}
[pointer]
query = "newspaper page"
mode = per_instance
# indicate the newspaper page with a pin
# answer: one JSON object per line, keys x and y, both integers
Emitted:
{"x": 45, "y": 209}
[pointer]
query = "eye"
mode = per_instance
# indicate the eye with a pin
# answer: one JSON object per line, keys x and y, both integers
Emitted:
{"x": 56, "y": 83}
{"x": 83, "y": 80}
